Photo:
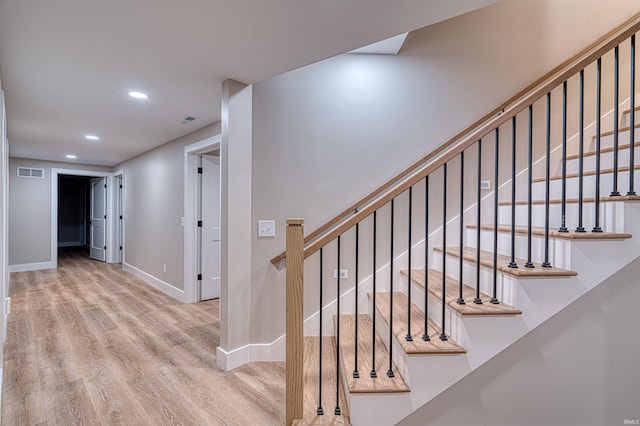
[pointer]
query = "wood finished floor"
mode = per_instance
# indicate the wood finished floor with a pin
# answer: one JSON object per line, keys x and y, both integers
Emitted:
{"x": 89, "y": 343}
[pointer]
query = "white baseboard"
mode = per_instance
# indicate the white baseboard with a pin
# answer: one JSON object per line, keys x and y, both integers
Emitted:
{"x": 32, "y": 266}
{"x": 274, "y": 351}
{"x": 164, "y": 287}
{"x": 233, "y": 359}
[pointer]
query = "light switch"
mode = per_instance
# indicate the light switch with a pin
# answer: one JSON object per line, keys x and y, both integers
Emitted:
{"x": 266, "y": 228}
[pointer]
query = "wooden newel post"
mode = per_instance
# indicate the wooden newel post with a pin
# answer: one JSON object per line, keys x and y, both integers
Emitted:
{"x": 294, "y": 330}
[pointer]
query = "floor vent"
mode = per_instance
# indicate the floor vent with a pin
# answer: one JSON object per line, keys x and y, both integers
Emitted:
{"x": 30, "y": 172}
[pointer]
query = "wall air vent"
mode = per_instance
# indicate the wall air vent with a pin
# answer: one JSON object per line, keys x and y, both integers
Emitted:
{"x": 30, "y": 172}
{"x": 188, "y": 119}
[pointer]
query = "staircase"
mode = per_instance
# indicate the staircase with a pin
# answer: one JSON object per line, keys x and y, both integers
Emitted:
{"x": 441, "y": 276}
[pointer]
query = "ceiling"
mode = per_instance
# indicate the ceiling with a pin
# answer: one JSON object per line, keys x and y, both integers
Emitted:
{"x": 67, "y": 65}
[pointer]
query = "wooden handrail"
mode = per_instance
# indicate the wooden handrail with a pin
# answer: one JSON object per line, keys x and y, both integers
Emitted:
{"x": 295, "y": 320}
{"x": 461, "y": 141}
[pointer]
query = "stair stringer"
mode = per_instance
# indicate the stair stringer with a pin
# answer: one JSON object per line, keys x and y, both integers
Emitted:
{"x": 485, "y": 337}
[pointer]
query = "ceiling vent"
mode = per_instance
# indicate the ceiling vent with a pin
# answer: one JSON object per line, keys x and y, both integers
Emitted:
{"x": 29, "y": 172}
{"x": 188, "y": 119}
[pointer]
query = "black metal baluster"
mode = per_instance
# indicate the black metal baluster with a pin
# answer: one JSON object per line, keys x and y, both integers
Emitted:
{"x": 563, "y": 218}
{"x": 390, "y": 370}
{"x": 580, "y": 228}
{"x": 408, "y": 337}
{"x": 443, "y": 336}
{"x": 319, "y": 410}
{"x": 632, "y": 116}
{"x": 512, "y": 263}
{"x": 373, "y": 373}
{"x": 356, "y": 375}
{"x": 494, "y": 298}
{"x": 337, "y": 410}
{"x": 529, "y": 263}
{"x": 547, "y": 183}
{"x": 596, "y": 227}
{"x": 614, "y": 191}
{"x": 425, "y": 335}
{"x": 477, "y": 299}
{"x": 461, "y": 265}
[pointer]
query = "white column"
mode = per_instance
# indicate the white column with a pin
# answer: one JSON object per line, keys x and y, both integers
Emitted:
{"x": 235, "y": 266}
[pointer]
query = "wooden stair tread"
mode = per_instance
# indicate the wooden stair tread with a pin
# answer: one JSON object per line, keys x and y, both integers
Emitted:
{"x": 628, "y": 110}
{"x": 486, "y": 259}
{"x": 311, "y": 364}
{"x": 468, "y": 294}
{"x": 591, "y": 153}
{"x": 586, "y": 173}
{"x": 571, "y": 235}
{"x": 575, "y": 200}
{"x": 417, "y": 346}
{"x": 366, "y": 384}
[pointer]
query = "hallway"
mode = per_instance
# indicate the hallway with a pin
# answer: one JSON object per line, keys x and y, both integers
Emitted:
{"x": 91, "y": 344}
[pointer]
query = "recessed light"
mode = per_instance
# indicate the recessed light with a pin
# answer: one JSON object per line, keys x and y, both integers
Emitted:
{"x": 71, "y": 156}
{"x": 138, "y": 95}
{"x": 91, "y": 137}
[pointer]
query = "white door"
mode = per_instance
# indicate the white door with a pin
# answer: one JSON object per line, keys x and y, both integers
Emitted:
{"x": 98, "y": 213}
{"x": 119, "y": 239}
{"x": 210, "y": 250}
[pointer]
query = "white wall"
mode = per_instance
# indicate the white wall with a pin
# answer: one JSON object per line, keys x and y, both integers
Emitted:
{"x": 153, "y": 208}
{"x": 579, "y": 368}
{"x": 327, "y": 134}
{"x": 30, "y": 210}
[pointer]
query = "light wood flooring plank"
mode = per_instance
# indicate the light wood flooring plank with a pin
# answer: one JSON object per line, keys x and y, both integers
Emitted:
{"x": 161, "y": 403}
{"x": 113, "y": 400}
{"x": 23, "y": 409}
{"x": 55, "y": 366}
{"x": 19, "y": 338}
{"x": 69, "y": 404}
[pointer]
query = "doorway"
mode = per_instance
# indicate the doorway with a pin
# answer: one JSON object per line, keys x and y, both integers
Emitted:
{"x": 209, "y": 226}
{"x": 82, "y": 203}
{"x": 80, "y": 219}
{"x": 202, "y": 230}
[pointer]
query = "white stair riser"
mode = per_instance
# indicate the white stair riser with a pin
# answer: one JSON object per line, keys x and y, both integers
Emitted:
{"x": 588, "y": 183}
{"x": 559, "y": 249}
{"x": 607, "y": 141}
{"x": 610, "y": 218}
{"x": 606, "y": 161}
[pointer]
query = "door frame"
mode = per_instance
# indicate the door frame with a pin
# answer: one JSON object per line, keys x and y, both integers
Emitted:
{"x": 110, "y": 223}
{"x": 191, "y": 153}
{"x": 117, "y": 228}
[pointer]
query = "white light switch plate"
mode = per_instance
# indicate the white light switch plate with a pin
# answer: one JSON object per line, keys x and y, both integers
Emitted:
{"x": 266, "y": 228}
